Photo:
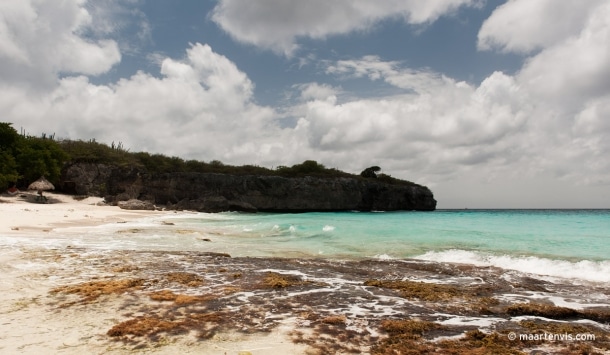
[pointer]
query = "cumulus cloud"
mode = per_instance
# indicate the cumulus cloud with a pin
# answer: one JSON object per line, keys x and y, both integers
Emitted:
{"x": 40, "y": 40}
{"x": 525, "y": 26}
{"x": 567, "y": 80}
{"x": 277, "y": 24}
{"x": 457, "y": 125}
{"x": 575, "y": 69}
{"x": 200, "y": 106}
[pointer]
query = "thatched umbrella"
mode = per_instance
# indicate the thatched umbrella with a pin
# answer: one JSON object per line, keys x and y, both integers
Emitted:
{"x": 41, "y": 184}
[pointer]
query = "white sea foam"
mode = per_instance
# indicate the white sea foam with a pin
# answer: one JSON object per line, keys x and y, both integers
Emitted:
{"x": 592, "y": 301}
{"x": 285, "y": 272}
{"x": 384, "y": 257}
{"x": 486, "y": 322}
{"x": 328, "y": 228}
{"x": 596, "y": 271}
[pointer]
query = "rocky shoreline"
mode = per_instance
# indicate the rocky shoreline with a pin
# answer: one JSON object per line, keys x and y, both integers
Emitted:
{"x": 170, "y": 301}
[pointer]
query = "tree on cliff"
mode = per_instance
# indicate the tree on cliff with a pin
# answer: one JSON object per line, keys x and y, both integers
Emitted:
{"x": 371, "y": 172}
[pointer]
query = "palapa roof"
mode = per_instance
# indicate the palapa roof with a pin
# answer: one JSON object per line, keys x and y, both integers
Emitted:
{"x": 41, "y": 184}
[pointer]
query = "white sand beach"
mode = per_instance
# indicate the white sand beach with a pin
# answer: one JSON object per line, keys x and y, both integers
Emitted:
{"x": 22, "y": 213}
{"x": 32, "y": 322}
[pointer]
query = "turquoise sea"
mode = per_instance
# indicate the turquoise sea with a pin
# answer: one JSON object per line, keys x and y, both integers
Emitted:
{"x": 564, "y": 243}
{"x": 563, "y": 234}
{"x": 572, "y": 244}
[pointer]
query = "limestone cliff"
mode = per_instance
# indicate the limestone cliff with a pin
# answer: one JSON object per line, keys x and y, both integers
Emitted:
{"x": 210, "y": 192}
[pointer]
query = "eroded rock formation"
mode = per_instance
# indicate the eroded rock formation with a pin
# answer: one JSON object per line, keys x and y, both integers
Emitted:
{"x": 210, "y": 192}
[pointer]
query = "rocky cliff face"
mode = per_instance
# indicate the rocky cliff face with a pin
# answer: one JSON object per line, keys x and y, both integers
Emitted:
{"x": 208, "y": 192}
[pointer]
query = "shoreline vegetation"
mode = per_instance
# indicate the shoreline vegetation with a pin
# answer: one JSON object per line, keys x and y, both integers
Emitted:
{"x": 83, "y": 300}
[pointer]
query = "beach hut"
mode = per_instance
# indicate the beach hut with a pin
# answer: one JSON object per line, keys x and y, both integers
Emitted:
{"x": 41, "y": 185}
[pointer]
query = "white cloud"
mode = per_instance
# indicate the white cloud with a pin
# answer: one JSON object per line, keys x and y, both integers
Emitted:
{"x": 525, "y": 26}
{"x": 200, "y": 107}
{"x": 277, "y": 24}
{"x": 458, "y": 125}
{"x": 420, "y": 81}
{"x": 40, "y": 39}
{"x": 370, "y": 66}
{"x": 315, "y": 91}
{"x": 226, "y": 84}
{"x": 575, "y": 69}
{"x": 565, "y": 79}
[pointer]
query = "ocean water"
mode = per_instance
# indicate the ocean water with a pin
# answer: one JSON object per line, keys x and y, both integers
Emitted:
{"x": 563, "y": 234}
{"x": 572, "y": 244}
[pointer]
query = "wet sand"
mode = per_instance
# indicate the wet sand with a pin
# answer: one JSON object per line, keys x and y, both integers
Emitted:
{"x": 78, "y": 300}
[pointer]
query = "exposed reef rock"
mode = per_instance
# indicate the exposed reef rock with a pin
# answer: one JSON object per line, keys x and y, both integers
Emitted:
{"x": 210, "y": 192}
{"x": 134, "y": 204}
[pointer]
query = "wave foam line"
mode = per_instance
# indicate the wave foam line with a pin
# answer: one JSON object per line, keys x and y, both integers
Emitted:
{"x": 596, "y": 271}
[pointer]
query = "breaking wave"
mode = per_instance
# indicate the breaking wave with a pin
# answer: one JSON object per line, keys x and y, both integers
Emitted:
{"x": 596, "y": 271}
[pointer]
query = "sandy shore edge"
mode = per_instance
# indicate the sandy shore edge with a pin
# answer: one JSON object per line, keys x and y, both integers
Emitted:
{"x": 21, "y": 213}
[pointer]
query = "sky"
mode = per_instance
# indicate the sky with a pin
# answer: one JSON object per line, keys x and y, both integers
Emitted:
{"x": 491, "y": 104}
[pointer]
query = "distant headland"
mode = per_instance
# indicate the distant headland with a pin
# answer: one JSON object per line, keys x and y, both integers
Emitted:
{"x": 143, "y": 181}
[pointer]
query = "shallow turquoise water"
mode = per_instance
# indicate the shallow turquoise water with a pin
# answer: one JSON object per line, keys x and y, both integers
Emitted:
{"x": 558, "y": 243}
{"x": 557, "y": 234}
